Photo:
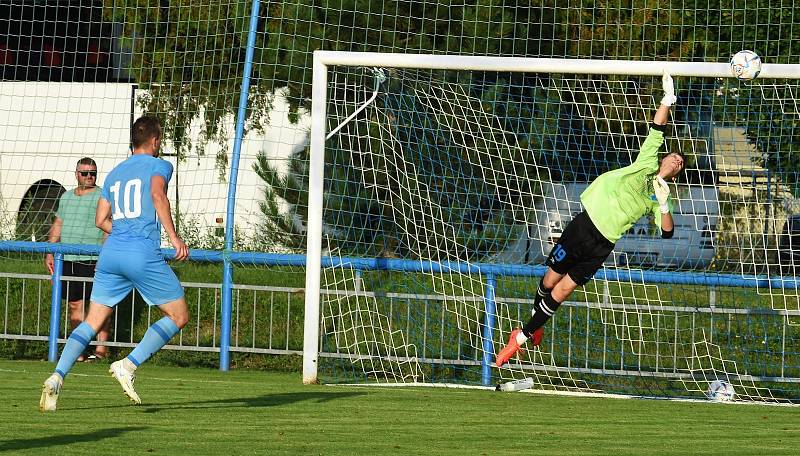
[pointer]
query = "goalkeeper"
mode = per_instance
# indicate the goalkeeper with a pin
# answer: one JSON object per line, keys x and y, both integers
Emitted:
{"x": 612, "y": 204}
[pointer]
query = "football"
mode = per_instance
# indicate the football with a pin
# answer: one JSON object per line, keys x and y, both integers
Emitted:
{"x": 721, "y": 391}
{"x": 746, "y": 65}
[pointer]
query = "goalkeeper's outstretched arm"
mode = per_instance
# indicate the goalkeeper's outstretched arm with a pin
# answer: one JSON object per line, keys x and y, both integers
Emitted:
{"x": 662, "y": 115}
{"x": 670, "y": 165}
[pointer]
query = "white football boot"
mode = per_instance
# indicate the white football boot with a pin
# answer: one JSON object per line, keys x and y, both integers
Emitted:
{"x": 125, "y": 377}
{"x": 50, "y": 390}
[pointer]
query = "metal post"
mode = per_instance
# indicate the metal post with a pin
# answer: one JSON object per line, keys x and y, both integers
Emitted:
{"x": 55, "y": 307}
{"x": 316, "y": 174}
{"x": 489, "y": 321}
{"x": 227, "y": 268}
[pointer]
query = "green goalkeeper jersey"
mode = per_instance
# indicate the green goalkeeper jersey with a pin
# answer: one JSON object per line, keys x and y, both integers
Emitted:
{"x": 618, "y": 198}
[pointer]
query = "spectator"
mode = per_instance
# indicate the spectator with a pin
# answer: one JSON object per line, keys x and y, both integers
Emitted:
{"x": 74, "y": 224}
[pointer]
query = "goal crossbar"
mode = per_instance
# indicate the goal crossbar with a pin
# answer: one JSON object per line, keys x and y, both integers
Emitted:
{"x": 544, "y": 65}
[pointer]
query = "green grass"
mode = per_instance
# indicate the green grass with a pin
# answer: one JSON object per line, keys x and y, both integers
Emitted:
{"x": 204, "y": 411}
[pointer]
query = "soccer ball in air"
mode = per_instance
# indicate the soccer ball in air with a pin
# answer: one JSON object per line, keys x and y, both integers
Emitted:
{"x": 721, "y": 391}
{"x": 746, "y": 65}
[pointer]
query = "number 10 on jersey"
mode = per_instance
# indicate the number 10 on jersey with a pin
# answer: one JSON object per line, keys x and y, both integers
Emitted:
{"x": 131, "y": 199}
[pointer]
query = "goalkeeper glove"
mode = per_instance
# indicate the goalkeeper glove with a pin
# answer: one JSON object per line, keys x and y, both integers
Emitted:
{"x": 669, "y": 90}
{"x": 662, "y": 193}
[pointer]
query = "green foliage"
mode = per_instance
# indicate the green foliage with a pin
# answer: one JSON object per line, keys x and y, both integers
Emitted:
{"x": 7, "y": 222}
{"x": 189, "y": 62}
{"x": 197, "y": 235}
{"x": 281, "y": 227}
{"x": 366, "y": 208}
{"x": 179, "y": 48}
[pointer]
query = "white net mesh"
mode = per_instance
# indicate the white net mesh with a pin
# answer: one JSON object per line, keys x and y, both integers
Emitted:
{"x": 460, "y": 173}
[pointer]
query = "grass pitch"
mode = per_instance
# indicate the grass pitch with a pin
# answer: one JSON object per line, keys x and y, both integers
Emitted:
{"x": 198, "y": 412}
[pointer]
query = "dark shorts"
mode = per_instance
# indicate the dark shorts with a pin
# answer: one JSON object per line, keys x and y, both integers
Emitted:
{"x": 580, "y": 251}
{"x": 73, "y": 290}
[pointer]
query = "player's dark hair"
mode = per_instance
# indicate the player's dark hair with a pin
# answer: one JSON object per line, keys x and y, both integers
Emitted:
{"x": 86, "y": 161}
{"x": 144, "y": 129}
{"x": 678, "y": 153}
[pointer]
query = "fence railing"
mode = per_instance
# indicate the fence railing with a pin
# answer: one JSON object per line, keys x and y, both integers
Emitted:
{"x": 222, "y": 336}
{"x": 265, "y": 319}
{"x": 269, "y": 320}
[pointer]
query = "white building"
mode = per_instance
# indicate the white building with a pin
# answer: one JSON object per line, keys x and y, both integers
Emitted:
{"x": 46, "y": 127}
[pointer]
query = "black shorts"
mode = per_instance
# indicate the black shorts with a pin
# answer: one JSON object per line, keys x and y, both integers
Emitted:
{"x": 73, "y": 290}
{"x": 580, "y": 251}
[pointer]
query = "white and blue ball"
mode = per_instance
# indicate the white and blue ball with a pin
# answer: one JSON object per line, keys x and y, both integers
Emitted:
{"x": 720, "y": 391}
{"x": 745, "y": 65}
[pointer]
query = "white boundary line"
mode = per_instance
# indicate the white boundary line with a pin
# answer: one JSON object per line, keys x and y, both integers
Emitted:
{"x": 558, "y": 393}
{"x": 447, "y": 385}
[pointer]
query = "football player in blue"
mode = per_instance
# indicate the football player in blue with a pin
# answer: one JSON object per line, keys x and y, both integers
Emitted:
{"x": 133, "y": 202}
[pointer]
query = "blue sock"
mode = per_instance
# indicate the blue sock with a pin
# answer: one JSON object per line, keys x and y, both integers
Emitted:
{"x": 76, "y": 344}
{"x": 157, "y": 335}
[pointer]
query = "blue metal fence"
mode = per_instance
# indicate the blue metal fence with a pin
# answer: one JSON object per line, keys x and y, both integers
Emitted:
{"x": 490, "y": 271}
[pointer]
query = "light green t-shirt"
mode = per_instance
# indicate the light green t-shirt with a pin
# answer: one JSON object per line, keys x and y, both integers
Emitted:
{"x": 618, "y": 198}
{"x": 77, "y": 217}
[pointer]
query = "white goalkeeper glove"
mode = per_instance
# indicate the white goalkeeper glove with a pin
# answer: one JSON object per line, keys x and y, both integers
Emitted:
{"x": 662, "y": 193}
{"x": 669, "y": 90}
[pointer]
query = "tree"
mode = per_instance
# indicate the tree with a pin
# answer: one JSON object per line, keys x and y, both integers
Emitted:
{"x": 190, "y": 60}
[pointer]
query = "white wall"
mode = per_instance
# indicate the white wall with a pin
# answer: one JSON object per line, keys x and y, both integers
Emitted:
{"x": 46, "y": 127}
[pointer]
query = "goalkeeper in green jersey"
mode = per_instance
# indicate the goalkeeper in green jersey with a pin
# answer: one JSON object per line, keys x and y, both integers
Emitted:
{"x": 612, "y": 204}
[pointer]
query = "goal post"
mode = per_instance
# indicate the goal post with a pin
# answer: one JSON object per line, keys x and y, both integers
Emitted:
{"x": 314, "y": 228}
{"x": 432, "y": 206}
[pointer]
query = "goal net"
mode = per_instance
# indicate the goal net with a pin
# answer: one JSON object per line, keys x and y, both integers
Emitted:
{"x": 440, "y": 184}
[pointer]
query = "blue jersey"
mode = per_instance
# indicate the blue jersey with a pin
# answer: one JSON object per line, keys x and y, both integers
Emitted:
{"x": 127, "y": 189}
{"x": 131, "y": 256}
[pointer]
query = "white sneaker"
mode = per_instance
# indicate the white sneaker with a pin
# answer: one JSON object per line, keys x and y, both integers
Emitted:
{"x": 50, "y": 390}
{"x": 125, "y": 377}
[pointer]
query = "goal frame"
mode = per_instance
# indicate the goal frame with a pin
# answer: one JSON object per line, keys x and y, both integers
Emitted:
{"x": 325, "y": 59}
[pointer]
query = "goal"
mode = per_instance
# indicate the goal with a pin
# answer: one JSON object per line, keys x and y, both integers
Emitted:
{"x": 438, "y": 184}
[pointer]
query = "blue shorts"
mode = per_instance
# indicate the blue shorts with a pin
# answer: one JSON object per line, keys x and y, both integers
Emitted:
{"x": 134, "y": 264}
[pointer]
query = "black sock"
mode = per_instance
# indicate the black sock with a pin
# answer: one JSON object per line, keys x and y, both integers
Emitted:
{"x": 542, "y": 311}
{"x": 541, "y": 292}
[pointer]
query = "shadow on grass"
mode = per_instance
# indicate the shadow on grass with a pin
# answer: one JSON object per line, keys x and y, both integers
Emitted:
{"x": 66, "y": 439}
{"x": 268, "y": 400}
